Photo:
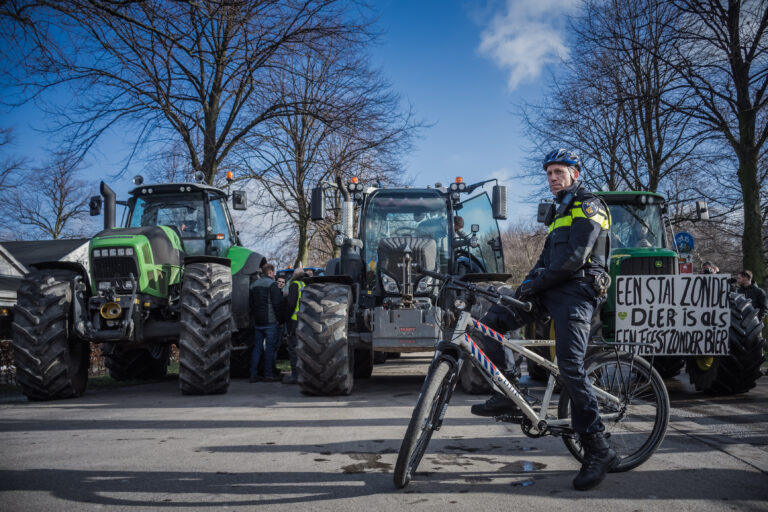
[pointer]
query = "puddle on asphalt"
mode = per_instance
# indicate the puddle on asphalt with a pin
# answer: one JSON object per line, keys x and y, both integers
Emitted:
{"x": 370, "y": 462}
{"x": 523, "y": 466}
{"x": 523, "y": 483}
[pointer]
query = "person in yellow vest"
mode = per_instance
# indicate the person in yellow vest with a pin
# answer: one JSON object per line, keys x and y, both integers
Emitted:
{"x": 292, "y": 316}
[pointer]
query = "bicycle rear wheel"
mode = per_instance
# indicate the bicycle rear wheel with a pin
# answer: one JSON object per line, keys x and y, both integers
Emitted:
{"x": 425, "y": 420}
{"x": 637, "y": 424}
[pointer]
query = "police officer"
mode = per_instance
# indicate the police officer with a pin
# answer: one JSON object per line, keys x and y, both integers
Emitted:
{"x": 568, "y": 280}
{"x": 292, "y": 314}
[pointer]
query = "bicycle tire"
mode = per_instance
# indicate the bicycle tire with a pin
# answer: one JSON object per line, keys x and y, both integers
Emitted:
{"x": 638, "y": 432}
{"x": 433, "y": 397}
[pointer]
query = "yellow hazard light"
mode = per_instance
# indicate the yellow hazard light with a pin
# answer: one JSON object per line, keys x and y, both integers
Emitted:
{"x": 4, "y": 312}
{"x": 354, "y": 179}
{"x": 219, "y": 236}
{"x": 459, "y": 179}
{"x": 230, "y": 176}
{"x": 147, "y": 304}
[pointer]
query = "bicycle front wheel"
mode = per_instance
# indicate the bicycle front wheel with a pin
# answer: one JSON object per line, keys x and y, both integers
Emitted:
{"x": 637, "y": 422}
{"x": 425, "y": 419}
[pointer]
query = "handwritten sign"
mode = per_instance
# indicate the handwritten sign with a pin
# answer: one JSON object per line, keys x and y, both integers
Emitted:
{"x": 673, "y": 315}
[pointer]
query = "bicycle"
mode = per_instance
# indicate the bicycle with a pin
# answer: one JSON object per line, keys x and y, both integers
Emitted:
{"x": 632, "y": 397}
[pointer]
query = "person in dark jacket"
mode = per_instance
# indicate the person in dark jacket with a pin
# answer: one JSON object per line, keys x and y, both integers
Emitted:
{"x": 569, "y": 282}
{"x": 267, "y": 304}
{"x": 753, "y": 292}
{"x": 292, "y": 319}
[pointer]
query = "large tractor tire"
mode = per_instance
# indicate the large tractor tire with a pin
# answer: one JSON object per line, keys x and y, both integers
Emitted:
{"x": 364, "y": 361}
{"x": 50, "y": 364}
{"x": 325, "y": 362}
{"x": 139, "y": 363}
{"x": 471, "y": 380}
{"x": 738, "y": 371}
{"x": 205, "y": 329}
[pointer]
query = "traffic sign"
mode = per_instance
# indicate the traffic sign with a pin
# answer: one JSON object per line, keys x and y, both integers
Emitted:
{"x": 684, "y": 241}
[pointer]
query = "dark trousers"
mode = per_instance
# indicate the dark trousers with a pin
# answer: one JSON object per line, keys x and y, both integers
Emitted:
{"x": 291, "y": 342}
{"x": 571, "y": 306}
{"x": 265, "y": 343}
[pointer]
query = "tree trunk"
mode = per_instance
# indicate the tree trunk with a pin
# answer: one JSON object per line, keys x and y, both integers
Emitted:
{"x": 752, "y": 241}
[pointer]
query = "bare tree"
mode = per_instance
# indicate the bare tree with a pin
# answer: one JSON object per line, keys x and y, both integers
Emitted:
{"x": 10, "y": 165}
{"x": 349, "y": 123}
{"x": 50, "y": 202}
{"x": 616, "y": 104}
{"x": 522, "y": 244}
{"x": 167, "y": 72}
{"x": 723, "y": 58}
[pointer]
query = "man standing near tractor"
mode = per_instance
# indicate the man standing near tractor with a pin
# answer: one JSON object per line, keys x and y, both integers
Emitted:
{"x": 569, "y": 281}
{"x": 750, "y": 290}
{"x": 267, "y": 302}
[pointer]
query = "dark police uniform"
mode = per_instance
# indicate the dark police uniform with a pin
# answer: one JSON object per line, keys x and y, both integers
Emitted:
{"x": 575, "y": 254}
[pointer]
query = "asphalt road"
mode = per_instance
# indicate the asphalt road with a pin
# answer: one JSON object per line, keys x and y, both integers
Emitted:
{"x": 267, "y": 447}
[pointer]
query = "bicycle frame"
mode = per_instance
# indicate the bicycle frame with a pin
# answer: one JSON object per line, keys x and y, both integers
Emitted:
{"x": 540, "y": 425}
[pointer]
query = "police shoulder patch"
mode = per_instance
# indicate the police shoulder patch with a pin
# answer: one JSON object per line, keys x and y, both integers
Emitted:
{"x": 590, "y": 207}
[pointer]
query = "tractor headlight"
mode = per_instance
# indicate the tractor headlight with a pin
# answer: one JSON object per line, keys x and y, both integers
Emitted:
{"x": 104, "y": 286}
{"x": 424, "y": 284}
{"x": 390, "y": 285}
{"x": 129, "y": 251}
{"x": 96, "y": 253}
{"x": 120, "y": 251}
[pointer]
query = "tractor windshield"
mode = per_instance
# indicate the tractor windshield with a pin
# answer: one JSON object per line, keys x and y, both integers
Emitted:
{"x": 416, "y": 213}
{"x": 637, "y": 226}
{"x": 486, "y": 255}
{"x": 185, "y": 212}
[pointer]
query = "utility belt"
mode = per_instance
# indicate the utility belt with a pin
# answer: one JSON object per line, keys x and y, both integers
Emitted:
{"x": 599, "y": 279}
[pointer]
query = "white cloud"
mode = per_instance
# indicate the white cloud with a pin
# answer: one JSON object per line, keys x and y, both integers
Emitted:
{"x": 528, "y": 35}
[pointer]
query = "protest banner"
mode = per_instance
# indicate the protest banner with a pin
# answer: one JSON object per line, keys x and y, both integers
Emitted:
{"x": 673, "y": 315}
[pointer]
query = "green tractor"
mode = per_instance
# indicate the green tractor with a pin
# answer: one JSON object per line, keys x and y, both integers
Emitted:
{"x": 175, "y": 274}
{"x": 640, "y": 246}
{"x": 371, "y": 299}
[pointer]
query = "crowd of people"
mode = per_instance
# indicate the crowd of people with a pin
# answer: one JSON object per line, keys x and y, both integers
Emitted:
{"x": 744, "y": 284}
{"x": 275, "y": 308}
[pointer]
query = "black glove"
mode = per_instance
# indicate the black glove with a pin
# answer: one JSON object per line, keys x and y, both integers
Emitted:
{"x": 525, "y": 289}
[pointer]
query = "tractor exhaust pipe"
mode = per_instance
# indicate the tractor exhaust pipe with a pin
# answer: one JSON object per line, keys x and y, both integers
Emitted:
{"x": 109, "y": 205}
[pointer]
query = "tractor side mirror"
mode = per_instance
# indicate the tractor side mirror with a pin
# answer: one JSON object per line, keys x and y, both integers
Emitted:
{"x": 317, "y": 205}
{"x": 95, "y": 205}
{"x": 499, "y": 202}
{"x": 239, "y": 200}
{"x": 702, "y": 211}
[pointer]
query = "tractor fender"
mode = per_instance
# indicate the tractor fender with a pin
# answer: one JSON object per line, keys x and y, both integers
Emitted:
{"x": 65, "y": 265}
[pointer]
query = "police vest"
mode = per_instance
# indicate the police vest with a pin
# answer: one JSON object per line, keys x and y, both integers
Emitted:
{"x": 295, "y": 315}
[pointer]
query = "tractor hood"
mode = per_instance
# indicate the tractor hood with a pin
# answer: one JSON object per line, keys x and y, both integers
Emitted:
{"x": 152, "y": 254}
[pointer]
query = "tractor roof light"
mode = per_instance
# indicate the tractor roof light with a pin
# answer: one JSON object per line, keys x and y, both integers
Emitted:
{"x": 230, "y": 176}
{"x": 138, "y": 180}
{"x": 354, "y": 179}
{"x": 459, "y": 179}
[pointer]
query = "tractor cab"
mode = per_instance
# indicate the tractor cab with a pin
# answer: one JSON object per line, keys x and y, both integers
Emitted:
{"x": 197, "y": 212}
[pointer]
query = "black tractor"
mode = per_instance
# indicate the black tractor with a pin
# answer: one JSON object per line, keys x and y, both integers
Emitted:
{"x": 372, "y": 298}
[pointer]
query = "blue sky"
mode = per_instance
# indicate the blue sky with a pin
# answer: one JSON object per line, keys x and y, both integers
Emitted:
{"x": 466, "y": 66}
{"x": 463, "y": 66}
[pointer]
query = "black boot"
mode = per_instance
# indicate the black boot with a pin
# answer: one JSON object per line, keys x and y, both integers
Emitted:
{"x": 599, "y": 459}
{"x": 497, "y": 405}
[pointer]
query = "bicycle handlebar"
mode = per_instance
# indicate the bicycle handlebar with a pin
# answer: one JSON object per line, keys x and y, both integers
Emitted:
{"x": 525, "y": 306}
